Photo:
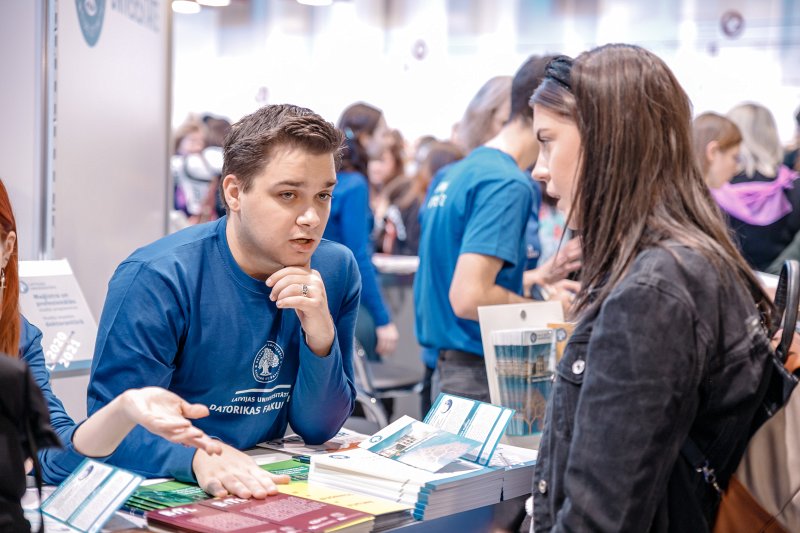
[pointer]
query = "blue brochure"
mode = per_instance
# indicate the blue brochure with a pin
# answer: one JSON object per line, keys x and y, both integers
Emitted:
{"x": 87, "y": 498}
{"x": 478, "y": 421}
{"x": 417, "y": 444}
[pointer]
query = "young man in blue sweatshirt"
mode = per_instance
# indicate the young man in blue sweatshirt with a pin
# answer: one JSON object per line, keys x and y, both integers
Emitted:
{"x": 252, "y": 315}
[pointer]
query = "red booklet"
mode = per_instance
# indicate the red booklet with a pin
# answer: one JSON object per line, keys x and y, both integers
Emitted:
{"x": 278, "y": 514}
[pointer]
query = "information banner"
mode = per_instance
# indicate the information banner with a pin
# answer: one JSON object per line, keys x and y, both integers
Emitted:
{"x": 51, "y": 299}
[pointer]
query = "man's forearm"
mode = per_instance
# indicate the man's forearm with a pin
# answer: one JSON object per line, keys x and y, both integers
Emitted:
{"x": 467, "y": 307}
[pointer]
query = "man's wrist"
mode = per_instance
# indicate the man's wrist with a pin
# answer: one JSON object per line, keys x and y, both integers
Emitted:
{"x": 320, "y": 349}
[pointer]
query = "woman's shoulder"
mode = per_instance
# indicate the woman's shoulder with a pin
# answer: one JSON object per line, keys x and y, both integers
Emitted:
{"x": 669, "y": 259}
{"x": 687, "y": 273}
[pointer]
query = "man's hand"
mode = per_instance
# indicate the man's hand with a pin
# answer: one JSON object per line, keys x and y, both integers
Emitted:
{"x": 387, "y": 338}
{"x": 302, "y": 289}
{"x": 568, "y": 259}
{"x": 233, "y": 472}
{"x": 165, "y": 414}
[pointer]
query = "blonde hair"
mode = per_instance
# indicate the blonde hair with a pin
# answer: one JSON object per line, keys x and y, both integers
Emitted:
{"x": 761, "y": 146}
{"x": 474, "y": 128}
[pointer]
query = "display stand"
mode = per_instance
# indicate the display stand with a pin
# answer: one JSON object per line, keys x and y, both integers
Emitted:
{"x": 528, "y": 316}
{"x": 51, "y": 299}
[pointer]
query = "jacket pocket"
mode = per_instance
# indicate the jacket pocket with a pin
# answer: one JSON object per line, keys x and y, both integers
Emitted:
{"x": 569, "y": 379}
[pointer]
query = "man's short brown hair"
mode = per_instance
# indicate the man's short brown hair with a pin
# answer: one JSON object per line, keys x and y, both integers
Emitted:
{"x": 253, "y": 140}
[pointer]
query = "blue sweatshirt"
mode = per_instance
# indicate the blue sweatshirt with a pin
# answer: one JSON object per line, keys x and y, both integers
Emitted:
{"x": 350, "y": 224}
{"x": 181, "y": 314}
{"x": 56, "y": 463}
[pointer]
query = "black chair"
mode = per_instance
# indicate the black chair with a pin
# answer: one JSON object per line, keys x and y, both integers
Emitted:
{"x": 378, "y": 380}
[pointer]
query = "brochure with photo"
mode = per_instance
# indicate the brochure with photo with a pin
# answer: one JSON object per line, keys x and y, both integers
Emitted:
{"x": 294, "y": 445}
{"x": 417, "y": 444}
{"x": 90, "y": 496}
{"x": 474, "y": 420}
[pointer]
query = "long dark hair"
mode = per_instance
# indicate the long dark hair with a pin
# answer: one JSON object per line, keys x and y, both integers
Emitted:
{"x": 357, "y": 119}
{"x": 638, "y": 184}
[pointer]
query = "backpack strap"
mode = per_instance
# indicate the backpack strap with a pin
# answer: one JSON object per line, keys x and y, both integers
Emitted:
{"x": 787, "y": 299}
{"x": 33, "y": 449}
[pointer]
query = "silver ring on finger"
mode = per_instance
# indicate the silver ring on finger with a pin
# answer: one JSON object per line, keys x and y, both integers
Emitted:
{"x": 304, "y": 290}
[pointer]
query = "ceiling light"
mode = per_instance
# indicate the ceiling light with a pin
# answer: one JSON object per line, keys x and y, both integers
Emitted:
{"x": 214, "y": 3}
{"x": 185, "y": 7}
{"x": 315, "y": 2}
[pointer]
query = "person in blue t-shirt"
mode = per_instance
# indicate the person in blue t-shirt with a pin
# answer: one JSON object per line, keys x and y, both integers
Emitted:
{"x": 351, "y": 221}
{"x": 252, "y": 314}
{"x": 473, "y": 247}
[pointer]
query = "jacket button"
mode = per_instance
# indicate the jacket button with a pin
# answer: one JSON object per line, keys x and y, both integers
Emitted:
{"x": 542, "y": 486}
{"x": 578, "y": 367}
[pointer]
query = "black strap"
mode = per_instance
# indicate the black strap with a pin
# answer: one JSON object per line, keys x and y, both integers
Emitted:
{"x": 787, "y": 299}
{"x": 33, "y": 449}
{"x": 697, "y": 459}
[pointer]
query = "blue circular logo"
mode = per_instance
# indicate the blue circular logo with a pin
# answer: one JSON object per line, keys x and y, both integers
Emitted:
{"x": 267, "y": 363}
{"x": 23, "y": 287}
{"x": 90, "y": 17}
{"x": 376, "y": 438}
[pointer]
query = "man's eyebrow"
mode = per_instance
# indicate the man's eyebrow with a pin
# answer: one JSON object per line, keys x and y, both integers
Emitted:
{"x": 290, "y": 183}
{"x": 301, "y": 184}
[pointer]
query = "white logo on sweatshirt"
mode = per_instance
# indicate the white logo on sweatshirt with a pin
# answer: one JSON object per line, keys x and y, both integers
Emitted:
{"x": 267, "y": 363}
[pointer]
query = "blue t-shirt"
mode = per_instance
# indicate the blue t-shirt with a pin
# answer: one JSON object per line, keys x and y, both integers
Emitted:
{"x": 533, "y": 245}
{"x": 56, "y": 463}
{"x": 351, "y": 223}
{"x": 481, "y": 205}
{"x": 181, "y": 314}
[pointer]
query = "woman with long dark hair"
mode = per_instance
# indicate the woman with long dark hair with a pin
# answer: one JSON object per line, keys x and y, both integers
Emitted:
{"x": 351, "y": 220}
{"x": 670, "y": 341}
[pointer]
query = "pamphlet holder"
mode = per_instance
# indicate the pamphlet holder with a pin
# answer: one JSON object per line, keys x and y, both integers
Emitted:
{"x": 527, "y": 316}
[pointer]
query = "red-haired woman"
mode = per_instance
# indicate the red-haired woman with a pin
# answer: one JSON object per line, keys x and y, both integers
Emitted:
{"x": 156, "y": 409}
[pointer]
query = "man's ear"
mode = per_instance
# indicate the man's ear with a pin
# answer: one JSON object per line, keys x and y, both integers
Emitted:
{"x": 231, "y": 188}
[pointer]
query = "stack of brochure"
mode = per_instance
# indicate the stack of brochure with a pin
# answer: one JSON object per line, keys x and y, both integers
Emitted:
{"x": 440, "y": 466}
{"x": 388, "y": 515}
{"x": 517, "y": 465}
{"x": 459, "y": 486}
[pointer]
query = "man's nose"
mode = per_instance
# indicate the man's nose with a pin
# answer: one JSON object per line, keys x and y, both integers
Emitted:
{"x": 309, "y": 217}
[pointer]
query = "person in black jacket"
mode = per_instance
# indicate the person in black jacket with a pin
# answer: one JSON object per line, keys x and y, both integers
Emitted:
{"x": 671, "y": 339}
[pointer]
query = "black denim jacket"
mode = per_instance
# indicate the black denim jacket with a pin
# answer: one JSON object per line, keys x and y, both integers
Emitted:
{"x": 674, "y": 350}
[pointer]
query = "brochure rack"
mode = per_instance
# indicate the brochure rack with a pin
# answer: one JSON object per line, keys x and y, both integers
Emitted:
{"x": 519, "y": 352}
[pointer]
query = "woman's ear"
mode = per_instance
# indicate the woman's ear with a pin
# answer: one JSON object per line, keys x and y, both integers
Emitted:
{"x": 712, "y": 149}
{"x": 8, "y": 247}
